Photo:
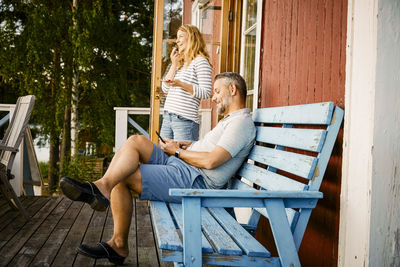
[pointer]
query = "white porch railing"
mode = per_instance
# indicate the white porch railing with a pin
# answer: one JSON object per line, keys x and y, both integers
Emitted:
{"x": 122, "y": 119}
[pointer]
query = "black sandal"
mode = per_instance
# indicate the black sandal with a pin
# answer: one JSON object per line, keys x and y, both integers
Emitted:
{"x": 99, "y": 251}
{"x": 85, "y": 192}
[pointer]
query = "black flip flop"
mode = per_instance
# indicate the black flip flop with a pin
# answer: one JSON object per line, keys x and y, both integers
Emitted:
{"x": 99, "y": 251}
{"x": 86, "y": 192}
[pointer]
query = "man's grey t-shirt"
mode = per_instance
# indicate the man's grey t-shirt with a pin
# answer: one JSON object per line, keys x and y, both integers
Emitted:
{"x": 235, "y": 133}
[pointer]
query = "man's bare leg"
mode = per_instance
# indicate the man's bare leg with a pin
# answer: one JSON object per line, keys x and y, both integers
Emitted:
{"x": 121, "y": 207}
{"x": 125, "y": 163}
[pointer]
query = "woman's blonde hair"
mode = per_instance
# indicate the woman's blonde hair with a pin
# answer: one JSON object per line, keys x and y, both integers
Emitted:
{"x": 195, "y": 47}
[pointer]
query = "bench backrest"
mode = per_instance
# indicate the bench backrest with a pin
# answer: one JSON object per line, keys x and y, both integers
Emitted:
{"x": 292, "y": 150}
{"x": 16, "y": 128}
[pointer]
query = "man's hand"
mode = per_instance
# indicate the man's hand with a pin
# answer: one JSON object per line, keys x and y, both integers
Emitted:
{"x": 170, "y": 146}
{"x": 184, "y": 144}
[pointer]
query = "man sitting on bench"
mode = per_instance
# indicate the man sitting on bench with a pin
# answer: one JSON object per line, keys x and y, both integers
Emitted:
{"x": 150, "y": 171}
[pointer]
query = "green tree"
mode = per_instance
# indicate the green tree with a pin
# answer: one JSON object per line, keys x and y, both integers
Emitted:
{"x": 107, "y": 42}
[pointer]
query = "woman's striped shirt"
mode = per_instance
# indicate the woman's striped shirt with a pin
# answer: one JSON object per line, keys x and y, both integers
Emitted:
{"x": 181, "y": 102}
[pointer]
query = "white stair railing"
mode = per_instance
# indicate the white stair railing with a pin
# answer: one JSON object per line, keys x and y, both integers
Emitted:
{"x": 122, "y": 120}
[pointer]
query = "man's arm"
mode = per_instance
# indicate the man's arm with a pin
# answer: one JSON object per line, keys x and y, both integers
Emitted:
{"x": 205, "y": 160}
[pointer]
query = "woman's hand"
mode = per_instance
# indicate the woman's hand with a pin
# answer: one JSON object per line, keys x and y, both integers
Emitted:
{"x": 173, "y": 83}
{"x": 175, "y": 56}
{"x": 185, "y": 86}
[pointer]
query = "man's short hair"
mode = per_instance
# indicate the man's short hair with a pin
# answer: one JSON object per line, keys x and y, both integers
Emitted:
{"x": 236, "y": 79}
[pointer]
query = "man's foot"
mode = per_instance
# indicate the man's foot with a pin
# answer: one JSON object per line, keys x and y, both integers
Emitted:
{"x": 86, "y": 192}
{"x": 99, "y": 251}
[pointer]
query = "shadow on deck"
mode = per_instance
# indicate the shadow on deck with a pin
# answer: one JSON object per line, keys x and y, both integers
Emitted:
{"x": 58, "y": 225}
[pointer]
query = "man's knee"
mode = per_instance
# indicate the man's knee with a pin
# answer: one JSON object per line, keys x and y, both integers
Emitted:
{"x": 138, "y": 140}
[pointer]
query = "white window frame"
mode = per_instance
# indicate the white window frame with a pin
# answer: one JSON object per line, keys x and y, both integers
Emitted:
{"x": 197, "y": 5}
{"x": 254, "y": 92}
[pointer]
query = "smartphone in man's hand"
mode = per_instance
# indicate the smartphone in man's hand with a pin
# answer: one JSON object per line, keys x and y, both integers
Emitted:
{"x": 159, "y": 136}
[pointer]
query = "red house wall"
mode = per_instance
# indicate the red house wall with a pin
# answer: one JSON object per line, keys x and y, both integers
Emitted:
{"x": 303, "y": 61}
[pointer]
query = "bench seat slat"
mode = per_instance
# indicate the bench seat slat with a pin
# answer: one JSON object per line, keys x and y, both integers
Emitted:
{"x": 298, "y": 164}
{"x": 246, "y": 241}
{"x": 305, "y": 139}
{"x": 318, "y": 113}
{"x": 222, "y": 242}
{"x": 177, "y": 212}
{"x": 269, "y": 180}
{"x": 167, "y": 236}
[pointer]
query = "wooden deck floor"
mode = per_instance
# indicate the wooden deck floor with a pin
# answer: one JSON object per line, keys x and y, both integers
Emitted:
{"x": 58, "y": 225}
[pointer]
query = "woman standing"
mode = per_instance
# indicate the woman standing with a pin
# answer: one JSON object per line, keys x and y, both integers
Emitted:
{"x": 186, "y": 83}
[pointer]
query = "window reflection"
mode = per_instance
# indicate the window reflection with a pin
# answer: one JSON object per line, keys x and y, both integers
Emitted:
{"x": 248, "y": 49}
{"x": 251, "y": 14}
{"x": 173, "y": 13}
{"x": 249, "y": 59}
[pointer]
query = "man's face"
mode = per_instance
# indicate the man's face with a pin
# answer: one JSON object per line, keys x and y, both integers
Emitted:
{"x": 222, "y": 96}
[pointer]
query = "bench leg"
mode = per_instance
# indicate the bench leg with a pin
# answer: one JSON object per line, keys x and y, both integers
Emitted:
{"x": 191, "y": 232}
{"x": 282, "y": 234}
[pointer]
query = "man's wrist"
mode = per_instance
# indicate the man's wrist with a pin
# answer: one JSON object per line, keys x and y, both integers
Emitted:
{"x": 177, "y": 152}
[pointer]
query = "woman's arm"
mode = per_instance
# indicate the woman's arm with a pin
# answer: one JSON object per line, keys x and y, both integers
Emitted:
{"x": 172, "y": 70}
{"x": 203, "y": 72}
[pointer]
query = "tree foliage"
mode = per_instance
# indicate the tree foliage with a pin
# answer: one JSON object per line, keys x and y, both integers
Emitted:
{"x": 110, "y": 43}
{"x": 45, "y": 44}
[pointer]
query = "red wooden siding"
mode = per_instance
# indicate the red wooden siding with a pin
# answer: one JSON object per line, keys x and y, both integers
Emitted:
{"x": 303, "y": 61}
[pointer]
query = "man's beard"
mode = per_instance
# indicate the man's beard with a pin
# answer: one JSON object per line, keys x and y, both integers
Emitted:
{"x": 223, "y": 106}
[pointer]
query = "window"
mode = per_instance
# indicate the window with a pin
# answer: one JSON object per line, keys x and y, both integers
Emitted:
{"x": 250, "y": 49}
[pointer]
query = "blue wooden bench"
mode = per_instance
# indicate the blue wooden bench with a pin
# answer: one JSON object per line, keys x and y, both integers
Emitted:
{"x": 286, "y": 189}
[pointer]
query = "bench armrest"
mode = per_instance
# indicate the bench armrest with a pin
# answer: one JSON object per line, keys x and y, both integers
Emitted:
{"x": 227, "y": 193}
{"x": 248, "y": 198}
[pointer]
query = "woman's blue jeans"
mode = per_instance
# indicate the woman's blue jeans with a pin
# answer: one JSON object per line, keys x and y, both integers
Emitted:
{"x": 179, "y": 128}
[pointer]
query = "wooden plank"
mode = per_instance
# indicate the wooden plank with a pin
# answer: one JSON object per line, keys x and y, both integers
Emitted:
{"x": 215, "y": 233}
{"x": 305, "y": 139}
{"x": 49, "y": 250}
{"x": 226, "y": 260}
{"x": 177, "y": 212}
{"x": 192, "y": 219}
{"x": 163, "y": 223}
{"x": 106, "y": 235}
{"x": 298, "y": 164}
{"x": 132, "y": 238}
{"x": 312, "y": 51}
{"x": 291, "y": 214}
{"x": 282, "y": 234}
{"x": 92, "y": 237}
{"x": 269, "y": 180}
{"x": 147, "y": 254}
{"x": 15, "y": 222}
{"x": 17, "y": 242}
{"x": 293, "y": 50}
{"x": 29, "y": 250}
{"x": 318, "y": 113}
{"x": 9, "y": 215}
{"x": 242, "y": 238}
{"x": 326, "y": 152}
{"x": 67, "y": 253}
